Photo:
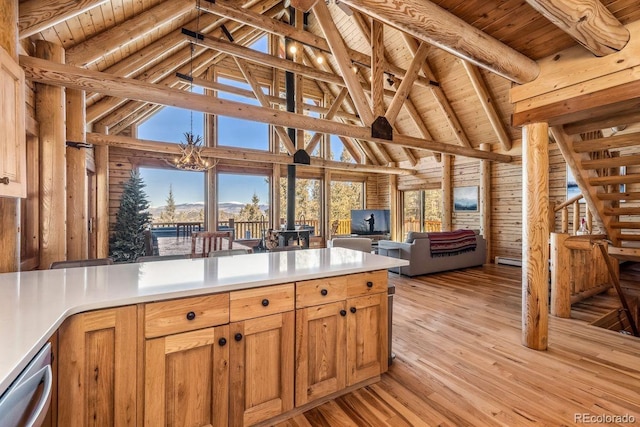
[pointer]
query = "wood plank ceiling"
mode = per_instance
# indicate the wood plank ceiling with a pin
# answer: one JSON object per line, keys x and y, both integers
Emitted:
{"x": 449, "y": 102}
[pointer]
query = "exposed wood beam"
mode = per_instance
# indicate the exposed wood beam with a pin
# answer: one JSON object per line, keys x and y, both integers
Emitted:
{"x": 589, "y": 22}
{"x": 200, "y": 62}
{"x": 48, "y": 72}
{"x": 591, "y": 106}
{"x": 324, "y": 87}
{"x": 262, "y": 99}
{"x": 207, "y": 84}
{"x": 341, "y": 56}
{"x": 432, "y": 24}
{"x": 235, "y": 154}
{"x": 37, "y": 16}
{"x": 420, "y": 186}
{"x": 122, "y": 34}
{"x": 264, "y": 23}
{"x": 365, "y": 28}
{"x": 405, "y": 86}
{"x": 266, "y": 59}
{"x": 441, "y": 98}
{"x": 335, "y": 106}
{"x": 487, "y": 103}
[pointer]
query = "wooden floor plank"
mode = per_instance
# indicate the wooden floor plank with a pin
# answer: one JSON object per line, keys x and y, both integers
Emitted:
{"x": 460, "y": 362}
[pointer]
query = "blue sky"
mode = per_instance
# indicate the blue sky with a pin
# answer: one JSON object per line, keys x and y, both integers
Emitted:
{"x": 170, "y": 124}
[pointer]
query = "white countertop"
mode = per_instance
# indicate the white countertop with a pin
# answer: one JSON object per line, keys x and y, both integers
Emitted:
{"x": 34, "y": 304}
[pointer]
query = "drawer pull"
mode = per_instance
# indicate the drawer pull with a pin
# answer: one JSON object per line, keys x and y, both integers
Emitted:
{"x": 369, "y": 284}
{"x": 191, "y": 315}
{"x": 238, "y": 337}
{"x": 324, "y": 292}
{"x": 222, "y": 342}
{"x": 265, "y": 302}
{"x": 352, "y": 309}
{"x": 4, "y": 180}
{"x": 343, "y": 313}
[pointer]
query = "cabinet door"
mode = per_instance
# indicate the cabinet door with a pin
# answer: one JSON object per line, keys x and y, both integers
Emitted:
{"x": 320, "y": 351}
{"x": 367, "y": 340}
{"x": 261, "y": 368}
{"x": 97, "y": 369}
{"x": 186, "y": 379}
{"x": 13, "y": 160}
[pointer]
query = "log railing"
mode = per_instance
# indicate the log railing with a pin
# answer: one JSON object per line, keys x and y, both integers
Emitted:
{"x": 578, "y": 270}
{"x": 564, "y": 217}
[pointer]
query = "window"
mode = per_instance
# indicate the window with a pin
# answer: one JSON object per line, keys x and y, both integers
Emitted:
{"x": 170, "y": 123}
{"x": 174, "y": 195}
{"x": 339, "y": 152}
{"x": 245, "y": 199}
{"x": 308, "y": 202}
{"x": 421, "y": 211}
{"x": 345, "y": 196}
{"x": 242, "y": 133}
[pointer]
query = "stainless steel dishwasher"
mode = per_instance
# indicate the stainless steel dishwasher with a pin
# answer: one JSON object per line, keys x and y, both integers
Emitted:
{"x": 26, "y": 401}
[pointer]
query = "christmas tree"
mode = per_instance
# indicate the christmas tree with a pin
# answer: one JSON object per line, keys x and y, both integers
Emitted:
{"x": 127, "y": 241}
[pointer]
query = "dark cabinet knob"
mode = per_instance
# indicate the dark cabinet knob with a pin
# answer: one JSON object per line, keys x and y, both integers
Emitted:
{"x": 238, "y": 337}
{"x": 352, "y": 309}
{"x": 265, "y": 302}
{"x": 222, "y": 342}
{"x": 191, "y": 315}
{"x": 369, "y": 284}
{"x": 343, "y": 313}
{"x": 324, "y": 292}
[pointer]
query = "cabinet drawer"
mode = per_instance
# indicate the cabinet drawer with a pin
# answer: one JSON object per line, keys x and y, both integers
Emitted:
{"x": 262, "y": 301}
{"x": 366, "y": 283}
{"x": 321, "y": 291}
{"x": 186, "y": 314}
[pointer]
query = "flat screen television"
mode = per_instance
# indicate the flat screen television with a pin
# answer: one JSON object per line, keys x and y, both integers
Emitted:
{"x": 370, "y": 221}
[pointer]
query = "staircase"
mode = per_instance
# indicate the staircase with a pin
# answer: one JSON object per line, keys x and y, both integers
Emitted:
{"x": 605, "y": 169}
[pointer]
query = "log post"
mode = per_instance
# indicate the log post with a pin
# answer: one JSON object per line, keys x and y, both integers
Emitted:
{"x": 576, "y": 216}
{"x": 447, "y": 193}
{"x": 77, "y": 226}
{"x": 485, "y": 201}
{"x": 9, "y": 207}
{"x": 565, "y": 220}
{"x": 560, "y": 286}
{"x": 535, "y": 235}
{"x": 101, "y": 155}
{"x": 50, "y": 115}
{"x": 394, "y": 205}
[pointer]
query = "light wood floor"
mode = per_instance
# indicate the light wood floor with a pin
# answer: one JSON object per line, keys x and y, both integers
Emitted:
{"x": 460, "y": 362}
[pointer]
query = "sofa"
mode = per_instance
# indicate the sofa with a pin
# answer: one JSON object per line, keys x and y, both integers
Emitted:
{"x": 417, "y": 250}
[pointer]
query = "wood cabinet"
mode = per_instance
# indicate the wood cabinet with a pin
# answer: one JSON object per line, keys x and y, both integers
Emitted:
{"x": 186, "y": 379}
{"x": 97, "y": 369}
{"x": 341, "y": 328}
{"x": 229, "y": 359}
{"x": 186, "y": 375}
{"x": 262, "y": 352}
{"x": 13, "y": 163}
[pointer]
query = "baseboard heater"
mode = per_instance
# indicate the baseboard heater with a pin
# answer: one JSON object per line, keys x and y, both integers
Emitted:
{"x": 517, "y": 262}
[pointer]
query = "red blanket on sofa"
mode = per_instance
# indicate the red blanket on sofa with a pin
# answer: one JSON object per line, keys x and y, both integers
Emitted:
{"x": 449, "y": 243}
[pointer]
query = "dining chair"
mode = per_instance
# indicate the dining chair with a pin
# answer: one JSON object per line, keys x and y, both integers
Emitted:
{"x": 227, "y": 252}
{"x": 150, "y": 258}
{"x": 205, "y": 242}
{"x": 81, "y": 263}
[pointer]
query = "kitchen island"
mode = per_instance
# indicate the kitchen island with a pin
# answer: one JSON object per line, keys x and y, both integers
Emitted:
{"x": 33, "y": 305}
